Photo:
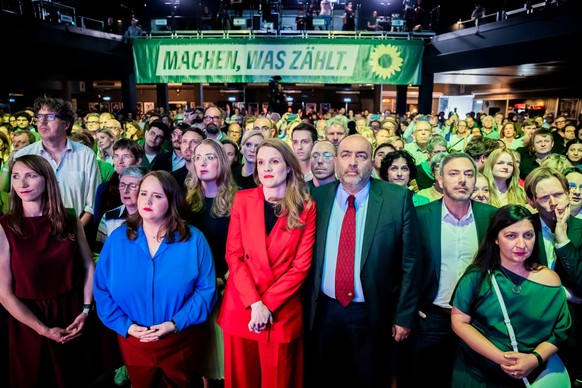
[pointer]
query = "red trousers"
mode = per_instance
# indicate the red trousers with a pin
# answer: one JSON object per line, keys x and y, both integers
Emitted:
{"x": 172, "y": 361}
{"x": 256, "y": 364}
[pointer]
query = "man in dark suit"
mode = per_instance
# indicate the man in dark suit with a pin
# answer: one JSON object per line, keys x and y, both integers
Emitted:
{"x": 560, "y": 243}
{"x": 351, "y": 342}
{"x": 451, "y": 229}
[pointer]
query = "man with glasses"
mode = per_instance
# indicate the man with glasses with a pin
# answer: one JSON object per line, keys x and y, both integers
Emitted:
{"x": 235, "y": 132}
{"x": 115, "y": 127}
{"x": 323, "y": 156}
{"x": 214, "y": 120}
{"x": 422, "y": 132}
{"x": 129, "y": 181}
{"x": 302, "y": 139}
{"x": 103, "y": 118}
{"x": 574, "y": 177}
{"x": 154, "y": 157}
{"x": 92, "y": 123}
{"x": 75, "y": 165}
{"x": 126, "y": 153}
{"x": 560, "y": 248}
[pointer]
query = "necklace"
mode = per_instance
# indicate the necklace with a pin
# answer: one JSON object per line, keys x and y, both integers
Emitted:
{"x": 516, "y": 287}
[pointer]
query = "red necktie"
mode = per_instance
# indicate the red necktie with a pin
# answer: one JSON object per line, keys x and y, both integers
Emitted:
{"x": 344, "y": 271}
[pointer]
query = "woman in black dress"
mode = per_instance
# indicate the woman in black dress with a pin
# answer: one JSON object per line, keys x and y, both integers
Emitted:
{"x": 211, "y": 191}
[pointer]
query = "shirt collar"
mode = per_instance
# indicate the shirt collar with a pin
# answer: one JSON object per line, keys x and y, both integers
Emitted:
{"x": 342, "y": 196}
{"x": 448, "y": 217}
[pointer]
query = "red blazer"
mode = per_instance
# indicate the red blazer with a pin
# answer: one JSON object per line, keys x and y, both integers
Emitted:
{"x": 267, "y": 268}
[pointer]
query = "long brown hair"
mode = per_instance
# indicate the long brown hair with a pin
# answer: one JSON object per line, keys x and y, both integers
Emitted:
{"x": 52, "y": 204}
{"x": 222, "y": 203}
{"x": 176, "y": 216}
{"x": 297, "y": 196}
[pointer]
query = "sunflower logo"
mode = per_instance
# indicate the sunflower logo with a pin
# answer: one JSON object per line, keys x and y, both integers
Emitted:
{"x": 385, "y": 60}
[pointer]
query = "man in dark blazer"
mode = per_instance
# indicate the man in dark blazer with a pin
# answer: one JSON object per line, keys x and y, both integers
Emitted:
{"x": 451, "y": 229}
{"x": 352, "y": 345}
{"x": 560, "y": 243}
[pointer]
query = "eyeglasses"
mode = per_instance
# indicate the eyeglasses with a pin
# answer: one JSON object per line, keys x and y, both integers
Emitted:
{"x": 327, "y": 156}
{"x": 92, "y": 122}
{"x": 213, "y": 118}
{"x": 206, "y": 158}
{"x": 112, "y": 128}
{"x": 130, "y": 187}
{"x": 560, "y": 121}
{"x": 48, "y": 116}
{"x": 573, "y": 187}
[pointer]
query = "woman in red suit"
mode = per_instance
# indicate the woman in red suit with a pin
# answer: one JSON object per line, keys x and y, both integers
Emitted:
{"x": 268, "y": 251}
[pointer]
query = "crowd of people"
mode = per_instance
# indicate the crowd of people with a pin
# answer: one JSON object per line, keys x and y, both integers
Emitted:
{"x": 211, "y": 247}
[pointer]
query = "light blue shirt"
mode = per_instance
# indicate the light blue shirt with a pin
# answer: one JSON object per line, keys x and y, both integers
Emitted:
{"x": 338, "y": 210}
{"x": 77, "y": 173}
{"x": 177, "y": 162}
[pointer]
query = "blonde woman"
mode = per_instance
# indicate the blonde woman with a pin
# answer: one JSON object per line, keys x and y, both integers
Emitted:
{"x": 503, "y": 171}
{"x": 483, "y": 188}
{"x": 211, "y": 192}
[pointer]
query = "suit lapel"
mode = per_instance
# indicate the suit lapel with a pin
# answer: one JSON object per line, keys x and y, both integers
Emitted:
{"x": 375, "y": 202}
{"x": 324, "y": 207}
{"x": 481, "y": 221}
{"x": 433, "y": 224}
{"x": 541, "y": 246}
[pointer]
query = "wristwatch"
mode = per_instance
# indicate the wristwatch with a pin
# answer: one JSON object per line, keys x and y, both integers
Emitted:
{"x": 87, "y": 308}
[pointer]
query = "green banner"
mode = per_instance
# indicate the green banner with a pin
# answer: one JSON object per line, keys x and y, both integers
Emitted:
{"x": 333, "y": 61}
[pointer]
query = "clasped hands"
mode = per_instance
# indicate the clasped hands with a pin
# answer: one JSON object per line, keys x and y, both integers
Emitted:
{"x": 518, "y": 365}
{"x": 75, "y": 329}
{"x": 152, "y": 333}
{"x": 261, "y": 316}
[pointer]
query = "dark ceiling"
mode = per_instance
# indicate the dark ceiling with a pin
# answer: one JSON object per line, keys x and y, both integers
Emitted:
{"x": 525, "y": 53}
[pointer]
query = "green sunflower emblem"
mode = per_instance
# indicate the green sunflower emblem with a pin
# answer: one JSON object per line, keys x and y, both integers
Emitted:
{"x": 385, "y": 60}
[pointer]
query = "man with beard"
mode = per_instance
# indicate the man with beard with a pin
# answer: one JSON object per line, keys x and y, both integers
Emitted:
{"x": 194, "y": 116}
{"x": 361, "y": 294}
{"x": 452, "y": 229}
{"x": 176, "y": 137}
{"x": 214, "y": 120}
{"x": 190, "y": 140}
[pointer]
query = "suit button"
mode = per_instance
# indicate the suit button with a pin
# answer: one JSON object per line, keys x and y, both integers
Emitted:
{"x": 350, "y": 294}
